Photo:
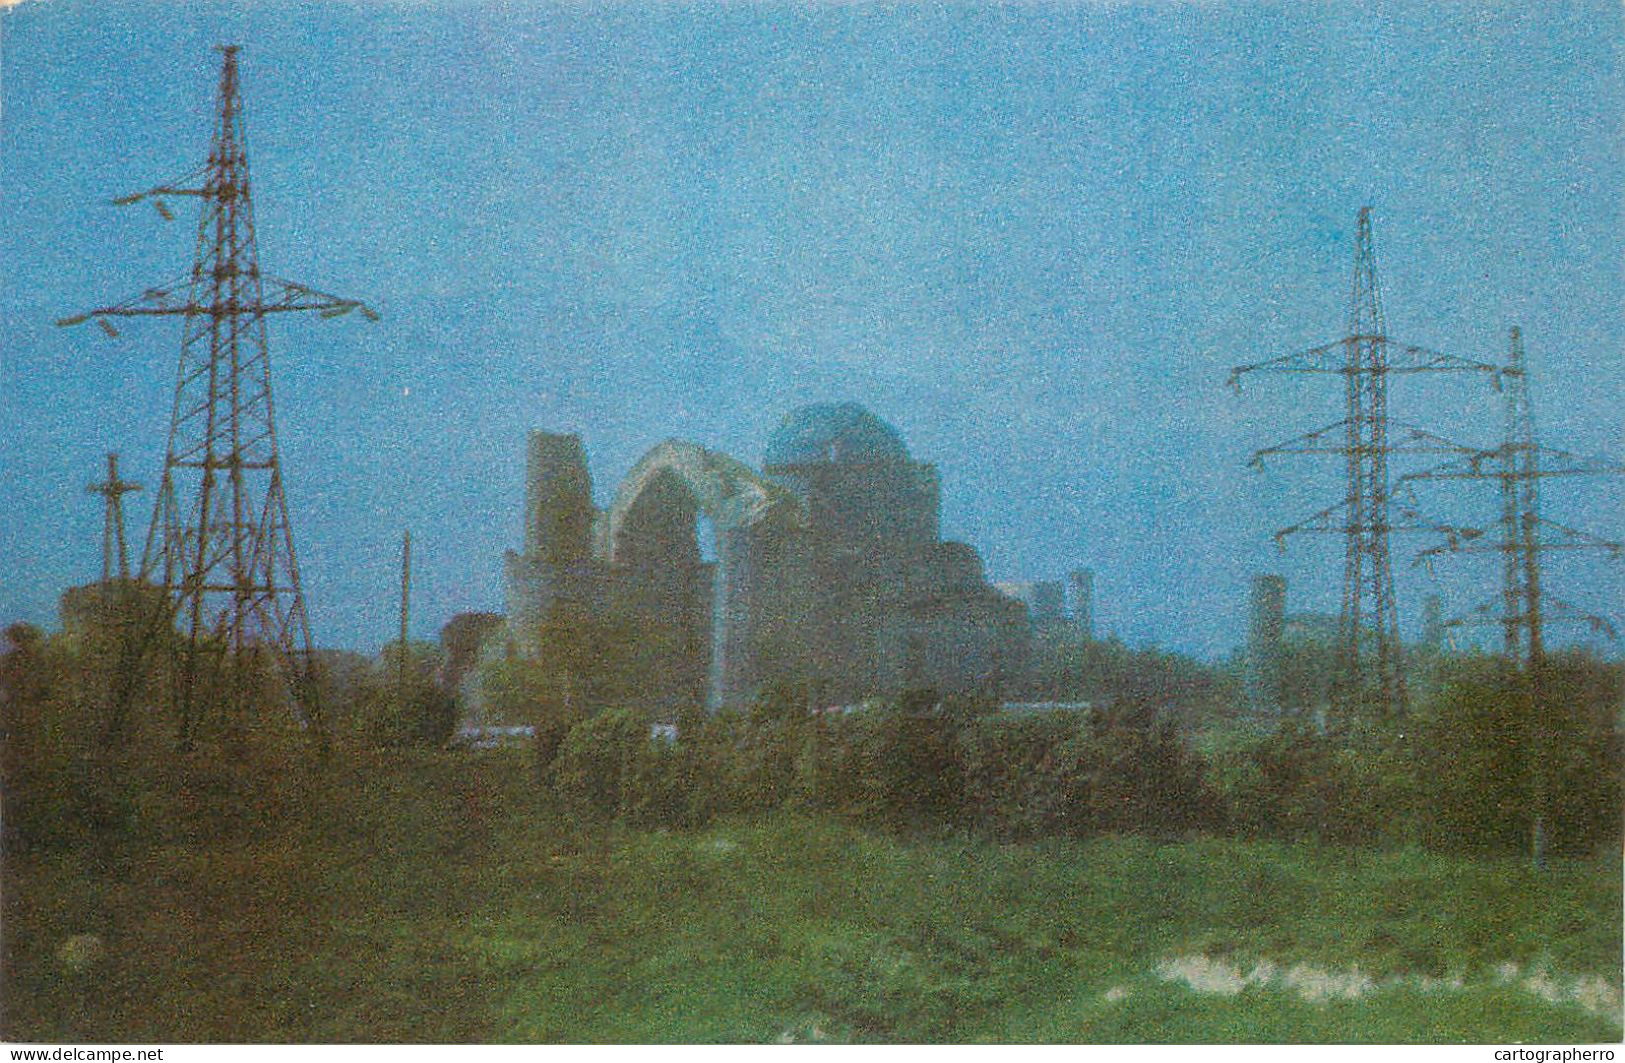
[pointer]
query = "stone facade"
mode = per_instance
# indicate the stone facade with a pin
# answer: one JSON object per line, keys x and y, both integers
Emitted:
{"x": 1266, "y": 630}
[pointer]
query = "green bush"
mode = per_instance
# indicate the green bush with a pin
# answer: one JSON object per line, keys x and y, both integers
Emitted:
{"x": 920, "y": 769}
{"x": 1011, "y": 768}
{"x": 1145, "y": 778}
{"x": 391, "y": 713}
{"x": 1292, "y": 787}
{"x": 1297, "y": 783}
{"x": 1478, "y": 758}
{"x": 516, "y": 690}
{"x": 609, "y": 767}
{"x": 69, "y": 781}
{"x": 762, "y": 754}
{"x": 592, "y": 770}
{"x": 835, "y": 767}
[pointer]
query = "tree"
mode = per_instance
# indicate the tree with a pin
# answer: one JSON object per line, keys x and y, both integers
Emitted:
{"x": 399, "y": 701}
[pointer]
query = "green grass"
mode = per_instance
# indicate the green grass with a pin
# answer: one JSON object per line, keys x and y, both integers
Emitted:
{"x": 437, "y": 897}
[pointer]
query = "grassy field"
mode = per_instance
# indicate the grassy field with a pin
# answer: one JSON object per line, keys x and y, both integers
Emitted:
{"x": 436, "y": 897}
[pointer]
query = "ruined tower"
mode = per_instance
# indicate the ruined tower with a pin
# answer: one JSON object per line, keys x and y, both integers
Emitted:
{"x": 1432, "y": 625}
{"x": 1082, "y": 582}
{"x": 1266, "y": 621}
{"x": 558, "y": 499}
{"x": 552, "y": 569}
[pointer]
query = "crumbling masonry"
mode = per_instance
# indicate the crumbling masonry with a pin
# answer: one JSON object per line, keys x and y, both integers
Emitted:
{"x": 830, "y": 571}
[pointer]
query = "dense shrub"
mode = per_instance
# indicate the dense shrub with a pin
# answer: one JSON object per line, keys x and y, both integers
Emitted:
{"x": 1281, "y": 785}
{"x": 1144, "y": 778}
{"x": 514, "y": 690}
{"x": 1459, "y": 774}
{"x": 1584, "y": 754}
{"x": 918, "y": 763}
{"x": 1481, "y": 750}
{"x": 70, "y": 780}
{"x": 402, "y": 703}
{"x": 597, "y": 763}
{"x": 837, "y": 766}
{"x": 761, "y": 749}
{"x": 1011, "y": 769}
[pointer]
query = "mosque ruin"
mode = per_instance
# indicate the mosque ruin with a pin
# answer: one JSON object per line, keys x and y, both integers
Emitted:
{"x": 829, "y": 571}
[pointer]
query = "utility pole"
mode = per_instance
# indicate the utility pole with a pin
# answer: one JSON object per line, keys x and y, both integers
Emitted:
{"x": 1364, "y": 439}
{"x": 1523, "y": 607}
{"x": 220, "y": 541}
{"x": 113, "y": 491}
{"x": 406, "y": 598}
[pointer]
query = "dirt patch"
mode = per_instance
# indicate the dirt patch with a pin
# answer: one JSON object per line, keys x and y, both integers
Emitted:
{"x": 1591, "y": 992}
{"x": 1205, "y": 974}
{"x": 1315, "y": 984}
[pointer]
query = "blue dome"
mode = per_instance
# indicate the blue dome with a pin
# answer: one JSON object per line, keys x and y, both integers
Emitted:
{"x": 834, "y": 432}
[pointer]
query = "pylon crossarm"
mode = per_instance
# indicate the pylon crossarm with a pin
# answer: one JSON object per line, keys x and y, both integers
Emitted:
{"x": 1331, "y": 439}
{"x": 1424, "y": 558}
{"x": 1407, "y": 520}
{"x": 183, "y": 186}
{"x": 1414, "y": 440}
{"x": 289, "y": 296}
{"x": 1318, "y": 522}
{"x": 1492, "y": 465}
{"x": 1556, "y": 610}
{"x": 1474, "y": 465}
{"x": 1400, "y": 358}
{"x": 284, "y": 296}
{"x": 1564, "y": 538}
{"x": 1410, "y": 518}
{"x": 1409, "y": 358}
{"x": 150, "y": 302}
{"x": 1567, "y": 538}
{"x": 1475, "y": 543}
{"x": 112, "y": 487}
{"x": 1327, "y": 358}
{"x": 1552, "y": 462}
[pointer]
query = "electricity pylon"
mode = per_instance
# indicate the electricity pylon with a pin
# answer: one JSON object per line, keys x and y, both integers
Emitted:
{"x": 1364, "y": 439}
{"x": 220, "y": 540}
{"x": 114, "y": 556}
{"x": 1523, "y": 607}
{"x": 1517, "y": 466}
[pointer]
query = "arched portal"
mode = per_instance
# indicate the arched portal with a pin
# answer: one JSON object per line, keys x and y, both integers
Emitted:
{"x": 661, "y": 598}
{"x": 695, "y": 626}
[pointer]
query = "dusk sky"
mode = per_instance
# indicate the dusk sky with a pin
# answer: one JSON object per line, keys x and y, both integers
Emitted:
{"x": 1033, "y": 238}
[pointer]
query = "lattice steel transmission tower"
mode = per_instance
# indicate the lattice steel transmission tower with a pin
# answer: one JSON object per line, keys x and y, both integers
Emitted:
{"x": 221, "y": 542}
{"x": 1368, "y": 625}
{"x": 1523, "y": 607}
{"x": 115, "y": 558}
{"x": 1521, "y": 534}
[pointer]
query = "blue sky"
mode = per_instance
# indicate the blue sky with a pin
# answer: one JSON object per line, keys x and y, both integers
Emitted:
{"x": 1033, "y": 238}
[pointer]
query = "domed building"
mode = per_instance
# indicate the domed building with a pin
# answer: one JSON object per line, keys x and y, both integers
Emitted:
{"x": 830, "y": 572}
{"x": 834, "y": 433}
{"x": 855, "y": 476}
